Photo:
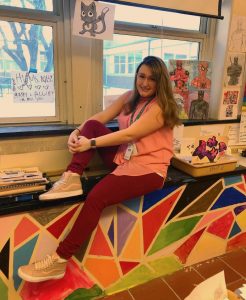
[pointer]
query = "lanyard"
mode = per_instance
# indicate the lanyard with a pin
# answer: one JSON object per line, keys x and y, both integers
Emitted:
{"x": 140, "y": 113}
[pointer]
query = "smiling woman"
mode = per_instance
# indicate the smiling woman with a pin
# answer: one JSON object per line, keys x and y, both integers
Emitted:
{"x": 138, "y": 156}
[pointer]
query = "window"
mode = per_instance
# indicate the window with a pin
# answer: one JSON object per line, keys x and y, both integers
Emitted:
{"x": 140, "y": 32}
{"x": 28, "y": 76}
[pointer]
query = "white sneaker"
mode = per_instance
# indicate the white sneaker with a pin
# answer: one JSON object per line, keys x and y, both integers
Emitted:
{"x": 50, "y": 267}
{"x": 68, "y": 185}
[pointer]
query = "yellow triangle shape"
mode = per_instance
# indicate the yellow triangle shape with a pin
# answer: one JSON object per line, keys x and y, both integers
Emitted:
{"x": 133, "y": 248}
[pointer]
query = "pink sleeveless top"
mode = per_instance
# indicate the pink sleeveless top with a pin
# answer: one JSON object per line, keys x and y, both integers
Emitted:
{"x": 154, "y": 151}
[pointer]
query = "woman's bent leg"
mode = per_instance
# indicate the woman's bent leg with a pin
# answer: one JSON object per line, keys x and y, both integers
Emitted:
{"x": 110, "y": 190}
{"x": 92, "y": 129}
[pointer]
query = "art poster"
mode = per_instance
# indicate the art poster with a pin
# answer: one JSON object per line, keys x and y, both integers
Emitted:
{"x": 234, "y": 69}
{"x": 191, "y": 82}
{"x": 229, "y": 103}
{"x": 93, "y": 19}
{"x": 237, "y": 37}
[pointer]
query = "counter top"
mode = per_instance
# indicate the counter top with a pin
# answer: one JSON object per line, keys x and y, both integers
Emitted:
{"x": 26, "y": 202}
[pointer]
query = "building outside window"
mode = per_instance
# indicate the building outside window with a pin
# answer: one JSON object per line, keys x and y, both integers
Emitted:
{"x": 140, "y": 32}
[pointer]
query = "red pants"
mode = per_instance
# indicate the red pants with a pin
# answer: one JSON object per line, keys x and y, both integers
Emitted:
{"x": 110, "y": 190}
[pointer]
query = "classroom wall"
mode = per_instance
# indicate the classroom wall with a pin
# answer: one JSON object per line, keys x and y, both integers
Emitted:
{"x": 50, "y": 153}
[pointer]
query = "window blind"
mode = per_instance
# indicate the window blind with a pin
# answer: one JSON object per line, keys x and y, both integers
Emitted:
{"x": 208, "y": 8}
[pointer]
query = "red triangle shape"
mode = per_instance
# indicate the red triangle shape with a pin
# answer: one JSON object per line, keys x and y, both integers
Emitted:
{"x": 185, "y": 249}
{"x": 222, "y": 226}
{"x": 155, "y": 217}
{"x": 100, "y": 245}
{"x": 57, "y": 228}
{"x": 127, "y": 266}
{"x": 24, "y": 230}
{"x": 241, "y": 187}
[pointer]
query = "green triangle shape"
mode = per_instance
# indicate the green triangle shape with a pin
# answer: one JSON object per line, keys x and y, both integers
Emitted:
{"x": 173, "y": 232}
{"x": 3, "y": 290}
{"x": 85, "y": 294}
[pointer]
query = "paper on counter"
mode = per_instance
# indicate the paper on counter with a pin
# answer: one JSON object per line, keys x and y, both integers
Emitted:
{"x": 213, "y": 288}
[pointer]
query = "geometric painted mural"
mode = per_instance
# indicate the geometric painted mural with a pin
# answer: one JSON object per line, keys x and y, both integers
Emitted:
{"x": 134, "y": 242}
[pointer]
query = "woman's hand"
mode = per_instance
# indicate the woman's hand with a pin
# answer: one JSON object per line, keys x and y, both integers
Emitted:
{"x": 73, "y": 139}
{"x": 83, "y": 144}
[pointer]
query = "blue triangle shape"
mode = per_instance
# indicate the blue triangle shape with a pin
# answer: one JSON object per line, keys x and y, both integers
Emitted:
{"x": 22, "y": 257}
{"x": 229, "y": 197}
{"x": 154, "y": 197}
{"x": 111, "y": 232}
{"x": 133, "y": 204}
{"x": 235, "y": 230}
{"x": 232, "y": 179}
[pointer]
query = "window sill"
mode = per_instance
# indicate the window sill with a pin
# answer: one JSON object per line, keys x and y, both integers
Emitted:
{"x": 59, "y": 129}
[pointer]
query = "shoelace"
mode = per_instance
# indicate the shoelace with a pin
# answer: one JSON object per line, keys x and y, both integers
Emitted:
{"x": 44, "y": 263}
{"x": 61, "y": 181}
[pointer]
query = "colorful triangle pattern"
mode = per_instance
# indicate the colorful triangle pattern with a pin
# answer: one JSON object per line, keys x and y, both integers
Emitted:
{"x": 222, "y": 226}
{"x": 154, "y": 218}
{"x": 229, "y": 196}
{"x": 127, "y": 266}
{"x": 133, "y": 245}
{"x": 185, "y": 249}
{"x": 125, "y": 223}
{"x": 58, "y": 227}
{"x": 100, "y": 245}
{"x": 24, "y": 230}
{"x": 235, "y": 230}
{"x": 4, "y": 259}
{"x": 22, "y": 257}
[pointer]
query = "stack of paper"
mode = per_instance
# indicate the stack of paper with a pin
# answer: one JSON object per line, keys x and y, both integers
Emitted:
{"x": 18, "y": 181}
{"x": 241, "y": 292}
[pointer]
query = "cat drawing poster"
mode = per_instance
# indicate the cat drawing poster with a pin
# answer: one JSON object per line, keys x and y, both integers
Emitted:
{"x": 93, "y": 19}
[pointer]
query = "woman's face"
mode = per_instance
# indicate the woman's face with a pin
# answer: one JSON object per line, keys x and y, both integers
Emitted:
{"x": 145, "y": 83}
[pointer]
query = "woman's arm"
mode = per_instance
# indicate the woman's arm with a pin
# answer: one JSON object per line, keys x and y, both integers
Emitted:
{"x": 149, "y": 122}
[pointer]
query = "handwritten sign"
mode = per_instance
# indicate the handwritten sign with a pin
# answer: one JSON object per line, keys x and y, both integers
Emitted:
{"x": 242, "y": 130}
{"x": 33, "y": 87}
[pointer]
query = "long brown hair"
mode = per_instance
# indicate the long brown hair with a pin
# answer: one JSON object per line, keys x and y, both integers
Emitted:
{"x": 164, "y": 94}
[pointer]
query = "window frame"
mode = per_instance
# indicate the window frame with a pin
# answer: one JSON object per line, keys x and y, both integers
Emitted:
{"x": 205, "y": 37}
{"x": 52, "y": 19}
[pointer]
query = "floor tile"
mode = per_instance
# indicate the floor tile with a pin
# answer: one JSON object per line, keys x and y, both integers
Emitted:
{"x": 237, "y": 284}
{"x": 119, "y": 296}
{"x": 155, "y": 289}
{"x": 183, "y": 281}
{"x": 236, "y": 260}
{"x": 213, "y": 266}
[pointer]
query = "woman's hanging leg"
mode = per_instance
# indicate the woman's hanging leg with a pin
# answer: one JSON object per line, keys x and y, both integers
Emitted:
{"x": 110, "y": 190}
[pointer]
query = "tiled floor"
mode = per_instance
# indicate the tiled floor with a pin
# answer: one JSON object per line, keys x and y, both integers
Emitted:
{"x": 179, "y": 284}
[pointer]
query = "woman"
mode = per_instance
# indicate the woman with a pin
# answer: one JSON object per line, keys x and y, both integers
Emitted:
{"x": 138, "y": 154}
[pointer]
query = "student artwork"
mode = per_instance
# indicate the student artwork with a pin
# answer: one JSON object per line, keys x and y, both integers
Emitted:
{"x": 237, "y": 38}
{"x": 191, "y": 81}
{"x": 93, "y": 19}
{"x": 179, "y": 75}
{"x": 229, "y": 104}
{"x": 234, "y": 69}
{"x": 199, "y": 105}
{"x": 201, "y": 75}
{"x": 209, "y": 149}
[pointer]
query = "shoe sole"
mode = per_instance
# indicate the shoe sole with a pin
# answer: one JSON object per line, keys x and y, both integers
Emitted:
{"x": 25, "y": 277}
{"x": 60, "y": 195}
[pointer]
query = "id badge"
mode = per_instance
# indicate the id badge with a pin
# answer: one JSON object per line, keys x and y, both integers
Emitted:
{"x": 128, "y": 152}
